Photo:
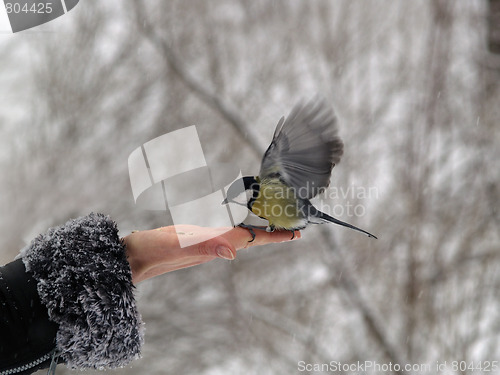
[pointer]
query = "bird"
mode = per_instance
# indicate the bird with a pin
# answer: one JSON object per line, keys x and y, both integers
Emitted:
{"x": 295, "y": 168}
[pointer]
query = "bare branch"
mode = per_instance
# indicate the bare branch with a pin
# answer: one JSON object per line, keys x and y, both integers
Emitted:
{"x": 285, "y": 325}
{"x": 195, "y": 85}
{"x": 351, "y": 290}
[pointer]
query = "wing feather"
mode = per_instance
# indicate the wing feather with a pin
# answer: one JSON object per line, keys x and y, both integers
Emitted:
{"x": 305, "y": 148}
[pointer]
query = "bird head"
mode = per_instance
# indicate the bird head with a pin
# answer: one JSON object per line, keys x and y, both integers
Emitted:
{"x": 242, "y": 191}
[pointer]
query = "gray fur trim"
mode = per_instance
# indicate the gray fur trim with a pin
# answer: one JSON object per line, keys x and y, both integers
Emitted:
{"x": 85, "y": 281}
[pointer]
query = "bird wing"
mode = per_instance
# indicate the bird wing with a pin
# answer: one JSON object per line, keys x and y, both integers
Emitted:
{"x": 304, "y": 149}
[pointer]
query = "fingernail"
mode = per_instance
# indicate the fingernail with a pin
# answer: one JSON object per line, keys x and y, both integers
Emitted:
{"x": 224, "y": 252}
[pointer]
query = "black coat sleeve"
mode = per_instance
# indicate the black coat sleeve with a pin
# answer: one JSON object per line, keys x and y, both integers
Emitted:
{"x": 27, "y": 336}
{"x": 84, "y": 285}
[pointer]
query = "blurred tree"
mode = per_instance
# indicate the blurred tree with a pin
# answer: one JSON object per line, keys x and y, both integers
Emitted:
{"x": 494, "y": 26}
{"x": 418, "y": 103}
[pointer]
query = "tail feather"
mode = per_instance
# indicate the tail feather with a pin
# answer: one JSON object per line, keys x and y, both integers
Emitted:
{"x": 313, "y": 211}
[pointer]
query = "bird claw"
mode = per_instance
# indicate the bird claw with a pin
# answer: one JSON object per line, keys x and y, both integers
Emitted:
{"x": 268, "y": 229}
{"x": 251, "y": 228}
{"x": 252, "y": 233}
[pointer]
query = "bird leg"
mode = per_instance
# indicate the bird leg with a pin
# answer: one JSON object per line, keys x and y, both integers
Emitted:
{"x": 251, "y": 229}
{"x": 270, "y": 228}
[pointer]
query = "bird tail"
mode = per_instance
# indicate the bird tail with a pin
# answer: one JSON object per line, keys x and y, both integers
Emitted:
{"x": 321, "y": 215}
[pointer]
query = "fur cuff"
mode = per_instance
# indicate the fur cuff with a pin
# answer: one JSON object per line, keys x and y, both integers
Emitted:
{"x": 85, "y": 282}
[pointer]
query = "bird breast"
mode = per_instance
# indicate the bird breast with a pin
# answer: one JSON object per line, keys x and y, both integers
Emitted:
{"x": 278, "y": 204}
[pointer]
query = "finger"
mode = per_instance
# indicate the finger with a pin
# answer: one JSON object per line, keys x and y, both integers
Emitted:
{"x": 222, "y": 242}
{"x": 240, "y": 237}
{"x": 217, "y": 246}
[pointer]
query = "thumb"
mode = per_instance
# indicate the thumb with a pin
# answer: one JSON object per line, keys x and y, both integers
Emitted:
{"x": 219, "y": 247}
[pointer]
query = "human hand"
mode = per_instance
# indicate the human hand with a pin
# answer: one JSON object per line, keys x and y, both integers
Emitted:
{"x": 155, "y": 252}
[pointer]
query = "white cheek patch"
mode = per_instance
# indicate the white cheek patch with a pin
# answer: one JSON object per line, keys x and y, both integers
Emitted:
{"x": 241, "y": 198}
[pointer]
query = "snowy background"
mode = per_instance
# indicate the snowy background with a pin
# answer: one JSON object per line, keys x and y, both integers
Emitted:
{"x": 417, "y": 88}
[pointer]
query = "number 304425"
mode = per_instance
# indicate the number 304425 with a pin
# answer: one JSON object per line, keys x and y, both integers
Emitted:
{"x": 38, "y": 8}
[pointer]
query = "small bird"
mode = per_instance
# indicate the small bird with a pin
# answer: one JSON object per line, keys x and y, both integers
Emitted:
{"x": 295, "y": 168}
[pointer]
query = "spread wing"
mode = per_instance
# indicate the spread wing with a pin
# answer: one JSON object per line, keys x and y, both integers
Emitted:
{"x": 305, "y": 148}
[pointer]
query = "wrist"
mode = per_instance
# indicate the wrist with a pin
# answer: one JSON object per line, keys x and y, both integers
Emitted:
{"x": 137, "y": 264}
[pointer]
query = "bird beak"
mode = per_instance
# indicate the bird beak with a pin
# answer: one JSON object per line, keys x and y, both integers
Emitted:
{"x": 224, "y": 202}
